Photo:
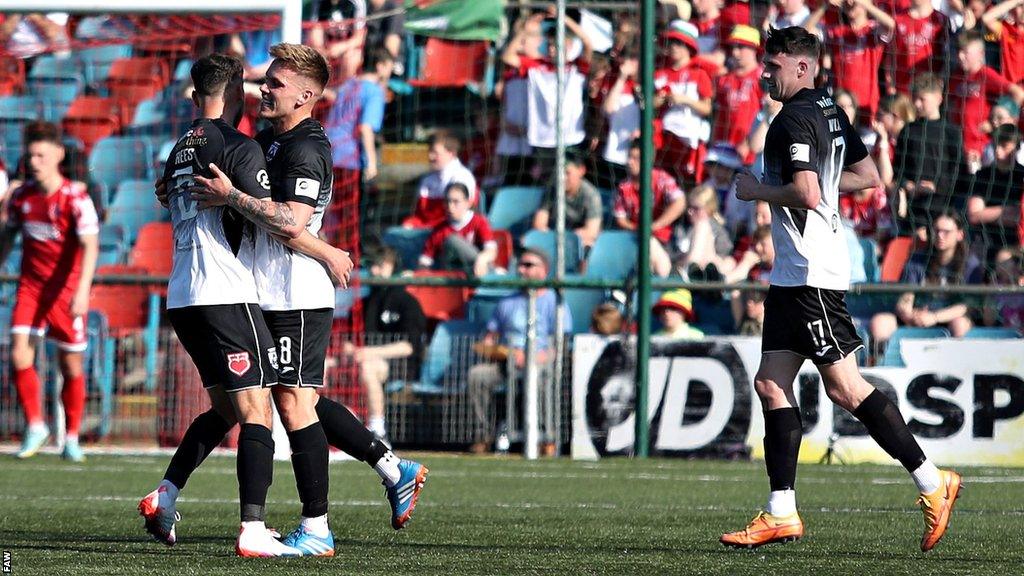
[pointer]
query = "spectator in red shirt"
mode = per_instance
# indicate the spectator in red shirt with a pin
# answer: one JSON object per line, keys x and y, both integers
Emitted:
{"x": 446, "y": 168}
{"x": 856, "y": 44}
{"x": 683, "y": 95}
{"x": 738, "y": 96}
{"x": 464, "y": 241}
{"x": 60, "y": 247}
{"x": 1006, "y": 21}
{"x": 919, "y": 45}
{"x": 971, "y": 93}
{"x": 868, "y": 210}
{"x": 714, "y": 23}
{"x": 669, "y": 203}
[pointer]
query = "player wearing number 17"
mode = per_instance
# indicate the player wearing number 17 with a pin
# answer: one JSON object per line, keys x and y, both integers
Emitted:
{"x": 811, "y": 155}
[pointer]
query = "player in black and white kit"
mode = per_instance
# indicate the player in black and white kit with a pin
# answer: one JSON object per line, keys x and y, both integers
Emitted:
{"x": 296, "y": 294}
{"x": 213, "y": 306}
{"x": 812, "y": 154}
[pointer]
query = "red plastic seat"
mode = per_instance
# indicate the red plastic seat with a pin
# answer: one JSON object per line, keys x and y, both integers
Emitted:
{"x": 452, "y": 64}
{"x": 12, "y": 76}
{"x": 153, "y": 249}
{"x": 91, "y": 119}
{"x": 126, "y": 306}
{"x": 896, "y": 256}
{"x": 441, "y": 303}
{"x": 132, "y": 80}
{"x": 505, "y": 247}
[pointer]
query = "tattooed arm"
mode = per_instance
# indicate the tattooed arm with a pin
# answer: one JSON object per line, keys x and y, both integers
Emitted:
{"x": 287, "y": 219}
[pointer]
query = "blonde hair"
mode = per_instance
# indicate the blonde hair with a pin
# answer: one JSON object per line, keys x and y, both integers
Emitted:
{"x": 706, "y": 197}
{"x": 304, "y": 61}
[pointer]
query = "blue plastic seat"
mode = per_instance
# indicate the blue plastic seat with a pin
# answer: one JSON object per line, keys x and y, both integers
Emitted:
{"x": 96, "y": 61}
{"x": 113, "y": 245}
{"x": 547, "y": 241}
{"x": 871, "y": 268}
{"x": 893, "y": 353}
{"x": 613, "y": 256}
{"x": 607, "y": 203}
{"x": 116, "y": 159}
{"x": 133, "y": 205}
{"x": 408, "y": 242}
{"x": 993, "y": 332}
{"x": 581, "y": 303}
{"x": 57, "y": 80}
{"x": 447, "y": 360}
{"x": 513, "y": 207}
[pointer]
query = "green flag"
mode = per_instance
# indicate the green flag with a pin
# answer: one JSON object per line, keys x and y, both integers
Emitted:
{"x": 455, "y": 19}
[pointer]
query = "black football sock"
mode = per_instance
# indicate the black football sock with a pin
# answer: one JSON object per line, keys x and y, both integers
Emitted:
{"x": 345, "y": 432}
{"x": 309, "y": 461}
{"x": 782, "y": 435}
{"x": 202, "y": 436}
{"x": 886, "y": 425}
{"x": 255, "y": 468}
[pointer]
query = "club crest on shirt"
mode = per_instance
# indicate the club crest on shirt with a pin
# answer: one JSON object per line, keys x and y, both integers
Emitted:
{"x": 238, "y": 363}
{"x": 272, "y": 151}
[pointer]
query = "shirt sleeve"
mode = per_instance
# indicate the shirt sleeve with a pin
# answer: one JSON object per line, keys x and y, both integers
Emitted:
{"x": 372, "y": 114}
{"x": 309, "y": 171}
{"x": 247, "y": 169}
{"x": 704, "y": 87}
{"x": 430, "y": 248}
{"x": 87, "y": 223}
{"x": 593, "y": 205}
{"x": 484, "y": 232}
{"x": 801, "y": 143}
{"x": 995, "y": 84}
{"x": 855, "y": 149}
{"x": 619, "y": 208}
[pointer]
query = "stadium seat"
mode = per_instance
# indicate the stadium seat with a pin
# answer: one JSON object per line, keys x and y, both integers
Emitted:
{"x": 117, "y": 159}
{"x": 513, "y": 207}
{"x": 132, "y": 80}
{"x": 133, "y": 205}
{"x": 896, "y": 255}
{"x": 96, "y": 61}
{"x": 153, "y": 249}
{"x": 893, "y": 353}
{"x": 56, "y": 79}
{"x": 453, "y": 64}
{"x": 870, "y": 259}
{"x": 21, "y": 108}
{"x": 992, "y": 332}
{"x": 607, "y": 202}
{"x": 130, "y": 309}
{"x": 613, "y": 256}
{"x": 91, "y": 118}
{"x": 445, "y": 359}
{"x": 581, "y": 302}
{"x": 441, "y": 303}
{"x": 547, "y": 240}
{"x": 113, "y": 244}
{"x": 408, "y": 242}
{"x": 480, "y": 308}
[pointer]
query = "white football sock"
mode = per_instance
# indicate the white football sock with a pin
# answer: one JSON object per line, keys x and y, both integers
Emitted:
{"x": 387, "y": 468}
{"x": 71, "y": 439}
{"x": 316, "y": 526}
{"x": 38, "y": 427}
{"x": 782, "y": 503}
{"x": 376, "y": 425}
{"x": 254, "y": 525}
{"x": 927, "y": 478}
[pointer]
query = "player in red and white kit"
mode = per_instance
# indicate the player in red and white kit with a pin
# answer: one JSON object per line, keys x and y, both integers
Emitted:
{"x": 60, "y": 245}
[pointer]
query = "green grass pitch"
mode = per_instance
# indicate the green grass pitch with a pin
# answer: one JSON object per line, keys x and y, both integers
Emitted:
{"x": 508, "y": 516}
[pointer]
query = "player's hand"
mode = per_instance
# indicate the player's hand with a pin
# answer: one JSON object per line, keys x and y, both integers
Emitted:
{"x": 340, "y": 266}
{"x": 209, "y": 192}
{"x": 160, "y": 190}
{"x": 80, "y": 304}
{"x": 746, "y": 186}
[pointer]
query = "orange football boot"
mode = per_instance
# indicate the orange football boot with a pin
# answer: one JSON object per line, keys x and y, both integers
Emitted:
{"x": 937, "y": 508}
{"x": 766, "y": 529}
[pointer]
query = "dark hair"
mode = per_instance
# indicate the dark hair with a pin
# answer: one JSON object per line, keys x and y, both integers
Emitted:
{"x": 457, "y": 186}
{"x": 210, "y": 74}
{"x": 969, "y": 36}
{"x": 447, "y": 139}
{"x": 761, "y": 232}
{"x": 375, "y": 57}
{"x": 926, "y": 82}
{"x": 606, "y": 319}
{"x": 636, "y": 143}
{"x": 1005, "y": 134}
{"x": 794, "y": 41}
{"x": 539, "y": 254}
{"x": 40, "y": 131}
{"x": 933, "y": 273}
{"x": 385, "y": 254}
{"x": 575, "y": 158}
